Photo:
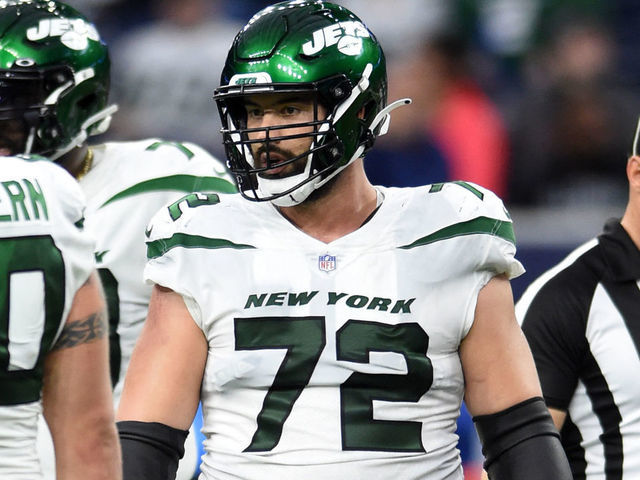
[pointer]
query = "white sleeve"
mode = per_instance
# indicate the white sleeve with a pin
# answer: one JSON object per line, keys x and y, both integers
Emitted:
{"x": 165, "y": 263}
{"x": 498, "y": 247}
{"x": 77, "y": 243}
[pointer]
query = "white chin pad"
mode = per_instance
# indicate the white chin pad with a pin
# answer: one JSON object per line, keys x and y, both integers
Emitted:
{"x": 269, "y": 187}
{"x": 273, "y": 186}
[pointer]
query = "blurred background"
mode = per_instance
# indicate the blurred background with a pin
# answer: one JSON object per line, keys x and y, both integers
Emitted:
{"x": 535, "y": 99}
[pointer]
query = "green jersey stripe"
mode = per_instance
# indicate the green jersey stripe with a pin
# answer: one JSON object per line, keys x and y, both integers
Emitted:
{"x": 155, "y": 145}
{"x": 159, "y": 247}
{"x": 182, "y": 183}
{"x": 437, "y": 187}
{"x": 480, "y": 225}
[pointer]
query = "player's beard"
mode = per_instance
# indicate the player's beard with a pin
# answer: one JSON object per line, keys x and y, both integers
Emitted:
{"x": 290, "y": 169}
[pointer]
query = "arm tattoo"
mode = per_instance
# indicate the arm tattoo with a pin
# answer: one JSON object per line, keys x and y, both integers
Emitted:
{"x": 82, "y": 331}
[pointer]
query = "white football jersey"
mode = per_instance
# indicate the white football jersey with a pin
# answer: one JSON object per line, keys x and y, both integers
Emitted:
{"x": 127, "y": 184}
{"x": 335, "y": 360}
{"x": 45, "y": 257}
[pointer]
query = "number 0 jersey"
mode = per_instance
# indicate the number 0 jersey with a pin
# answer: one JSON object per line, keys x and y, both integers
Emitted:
{"x": 335, "y": 360}
{"x": 45, "y": 257}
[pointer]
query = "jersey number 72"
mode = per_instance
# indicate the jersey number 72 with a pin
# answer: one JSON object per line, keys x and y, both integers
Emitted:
{"x": 304, "y": 338}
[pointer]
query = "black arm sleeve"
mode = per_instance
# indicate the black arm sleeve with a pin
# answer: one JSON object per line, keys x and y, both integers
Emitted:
{"x": 522, "y": 442}
{"x": 150, "y": 451}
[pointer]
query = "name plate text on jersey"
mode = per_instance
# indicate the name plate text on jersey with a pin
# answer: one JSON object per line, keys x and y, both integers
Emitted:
{"x": 22, "y": 200}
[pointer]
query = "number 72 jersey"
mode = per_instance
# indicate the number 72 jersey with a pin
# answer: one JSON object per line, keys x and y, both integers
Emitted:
{"x": 335, "y": 360}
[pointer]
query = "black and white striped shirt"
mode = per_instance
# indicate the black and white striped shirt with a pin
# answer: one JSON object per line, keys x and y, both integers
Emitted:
{"x": 582, "y": 321}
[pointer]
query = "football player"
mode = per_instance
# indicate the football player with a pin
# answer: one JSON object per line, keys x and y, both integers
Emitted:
{"x": 54, "y": 87}
{"x": 53, "y": 329}
{"x": 330, "y": 327}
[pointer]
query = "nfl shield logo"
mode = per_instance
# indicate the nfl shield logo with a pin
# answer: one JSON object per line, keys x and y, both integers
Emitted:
{"x": 326, "y": 263}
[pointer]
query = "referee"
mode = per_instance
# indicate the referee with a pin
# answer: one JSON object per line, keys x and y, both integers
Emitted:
{"x": 582, "y": 321}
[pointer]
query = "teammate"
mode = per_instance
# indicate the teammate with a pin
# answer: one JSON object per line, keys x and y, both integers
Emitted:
{"x": 53, "y": 329}
{"x": 329, "y": 327}
{"x": 581, "y": 320}
{"x": 55, "y": 72}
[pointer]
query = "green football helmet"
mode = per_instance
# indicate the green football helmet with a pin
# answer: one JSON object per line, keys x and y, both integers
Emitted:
{"x": 54, "y": 78}
{"x": 303, "y": 48}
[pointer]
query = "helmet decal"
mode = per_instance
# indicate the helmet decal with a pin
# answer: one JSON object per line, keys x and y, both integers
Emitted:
{"x": 74, "y": 33}
{"x": 250, "y": 78}
{"x": 346, "y": 35}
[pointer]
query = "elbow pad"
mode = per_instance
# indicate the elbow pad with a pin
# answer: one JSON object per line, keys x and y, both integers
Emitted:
{"x": 522, "y": 442}
{"x": 150, "y": 451}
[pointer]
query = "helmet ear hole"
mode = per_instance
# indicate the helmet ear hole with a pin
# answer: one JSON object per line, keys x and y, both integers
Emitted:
{"x": 87, "y": 101}
{"x": 368, "y": 110}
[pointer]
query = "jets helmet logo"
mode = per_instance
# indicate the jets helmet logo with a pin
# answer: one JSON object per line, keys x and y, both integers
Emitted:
{"x": 347, "y": 35}
{"x": 74, "y": 33}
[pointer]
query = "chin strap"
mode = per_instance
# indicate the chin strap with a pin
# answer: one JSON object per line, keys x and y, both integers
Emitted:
{"x": 29, "y": 143}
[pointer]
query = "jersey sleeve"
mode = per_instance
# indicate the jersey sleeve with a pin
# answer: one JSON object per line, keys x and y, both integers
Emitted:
{"x": 165, "y": 265}
{"x": 554, "y": 321}
{"x": 480, "y": 211}
{"x": 77, "y": 243}
{"x": 501, "y": 252}
{"x": 487, "y": 239}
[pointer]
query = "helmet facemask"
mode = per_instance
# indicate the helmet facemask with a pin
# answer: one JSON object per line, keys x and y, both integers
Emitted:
{"x": 27, "y": 113}
{"x": 322, "y": 161}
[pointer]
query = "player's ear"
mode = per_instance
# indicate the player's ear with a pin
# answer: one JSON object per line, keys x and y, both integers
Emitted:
{"x": 633, "y": 172}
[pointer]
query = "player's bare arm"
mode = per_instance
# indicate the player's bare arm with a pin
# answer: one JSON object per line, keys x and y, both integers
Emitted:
{"x": 84, "y": 330}
{"x": 499, "y": 371}
{"x": 150, "y": 410}
{"x": 169, "y": 331}
{"x": 503, "y": 393}
{"x": 77, "y": 401}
